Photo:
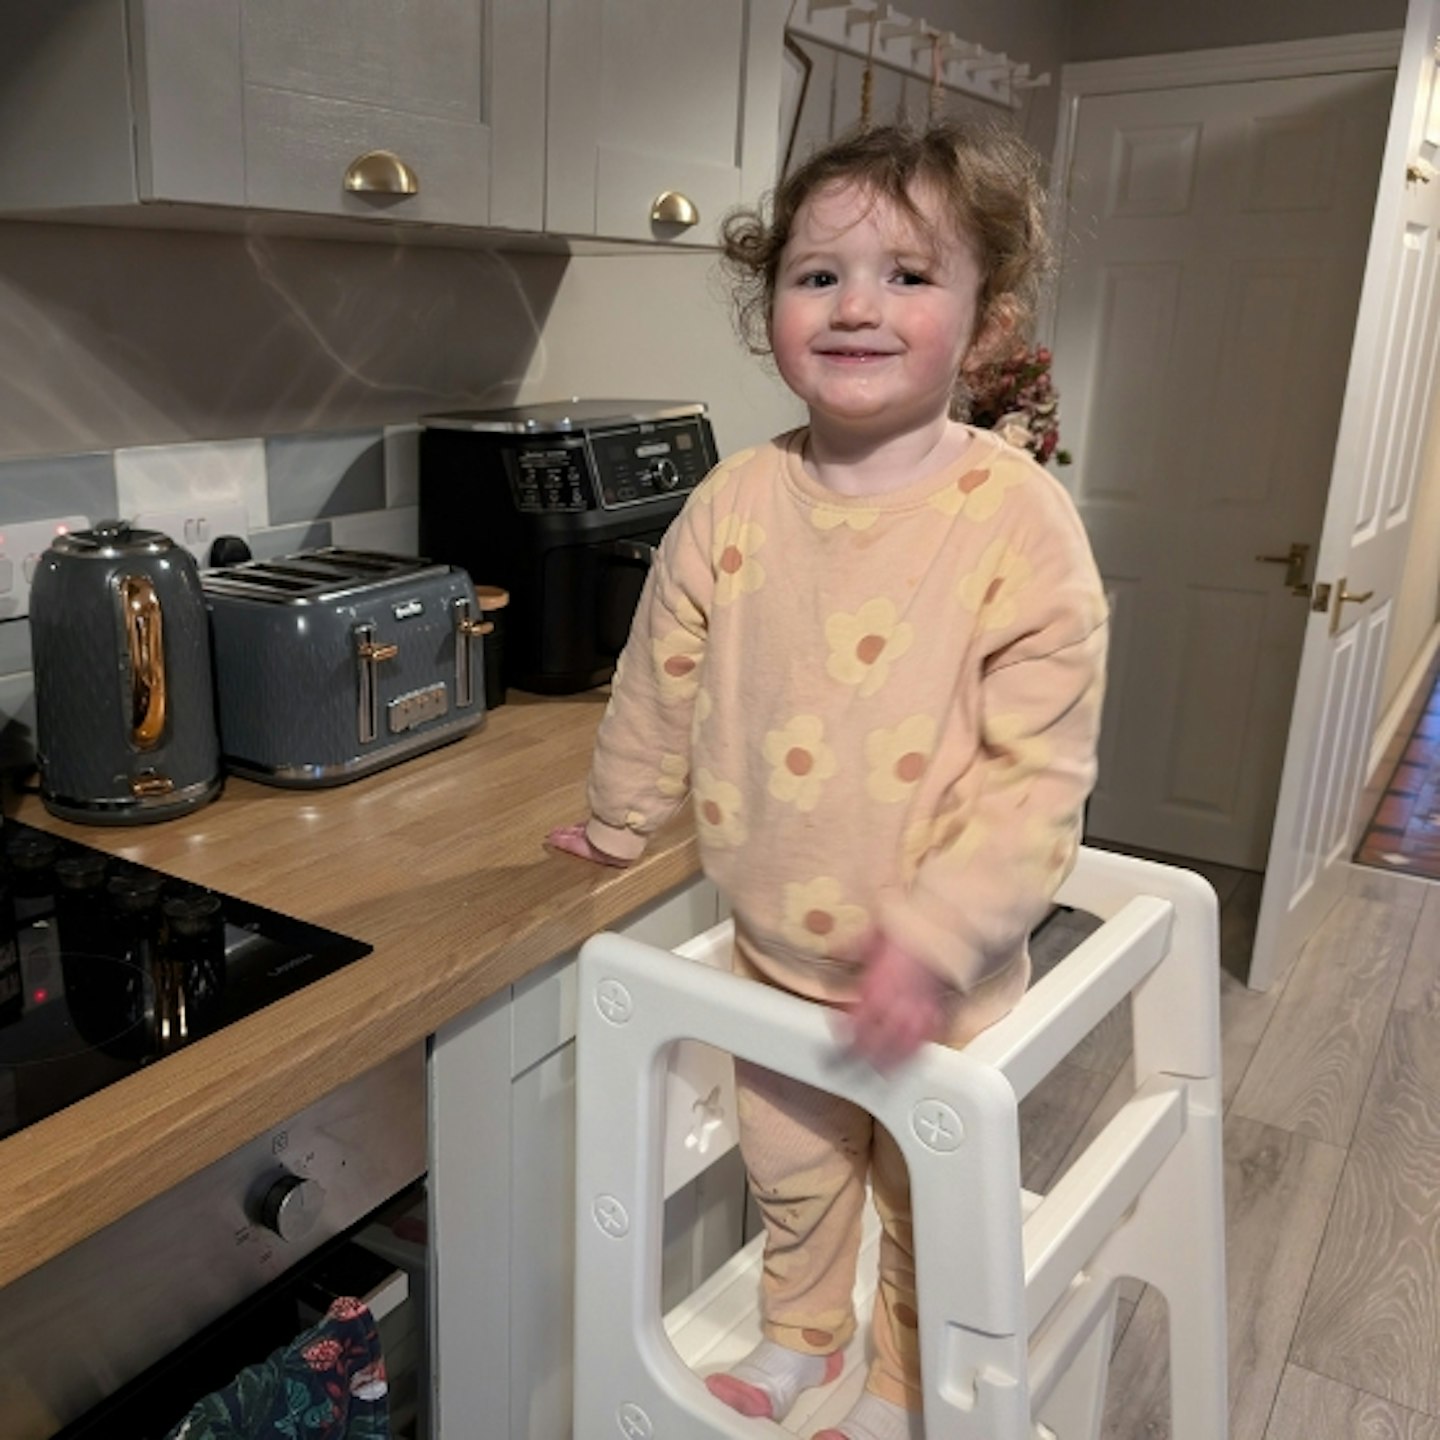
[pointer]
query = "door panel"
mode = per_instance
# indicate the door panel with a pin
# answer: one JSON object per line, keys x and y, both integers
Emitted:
{"x": 1205, "y": 315}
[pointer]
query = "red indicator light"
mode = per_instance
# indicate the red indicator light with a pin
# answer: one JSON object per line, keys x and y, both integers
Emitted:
{"x": 41, "y": 995}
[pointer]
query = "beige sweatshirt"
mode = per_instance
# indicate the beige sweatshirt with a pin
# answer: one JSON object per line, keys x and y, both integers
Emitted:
{"x": 884, "y": 706}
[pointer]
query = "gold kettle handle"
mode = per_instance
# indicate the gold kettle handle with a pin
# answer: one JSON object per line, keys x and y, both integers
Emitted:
{"x": 145, "y": 643}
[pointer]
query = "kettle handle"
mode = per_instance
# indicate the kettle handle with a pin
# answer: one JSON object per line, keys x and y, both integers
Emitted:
{"x": 145, "y": 642}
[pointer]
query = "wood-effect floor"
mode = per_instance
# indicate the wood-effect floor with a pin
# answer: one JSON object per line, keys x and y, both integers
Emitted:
{"x": 1332, "y": 1172}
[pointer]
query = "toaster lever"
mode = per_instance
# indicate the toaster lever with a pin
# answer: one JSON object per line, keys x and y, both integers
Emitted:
{"x": 467, "y": 628}
{"x": 367, "y": 716}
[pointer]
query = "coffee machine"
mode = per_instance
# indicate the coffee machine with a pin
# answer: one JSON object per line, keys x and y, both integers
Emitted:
{"x": 562, "y": 504}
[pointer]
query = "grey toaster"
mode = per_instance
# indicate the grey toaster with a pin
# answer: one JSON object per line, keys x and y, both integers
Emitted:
{"x": 333, "y": 663}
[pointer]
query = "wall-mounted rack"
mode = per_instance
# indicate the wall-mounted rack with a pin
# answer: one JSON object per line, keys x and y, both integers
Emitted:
{"x": 880, "y": 34}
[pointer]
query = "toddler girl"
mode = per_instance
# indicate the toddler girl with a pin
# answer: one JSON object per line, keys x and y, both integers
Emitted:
{"x": 872, "y": 651}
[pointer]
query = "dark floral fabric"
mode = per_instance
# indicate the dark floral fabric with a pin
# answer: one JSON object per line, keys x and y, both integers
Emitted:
{"x": 327, "y": 1385}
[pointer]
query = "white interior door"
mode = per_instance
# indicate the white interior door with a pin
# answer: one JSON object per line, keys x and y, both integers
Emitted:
{"x": 1388, "y": 397}
{"x": 1215, "y": 247}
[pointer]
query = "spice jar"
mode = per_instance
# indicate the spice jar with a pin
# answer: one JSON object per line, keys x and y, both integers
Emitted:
{"x": 492, "y": 601}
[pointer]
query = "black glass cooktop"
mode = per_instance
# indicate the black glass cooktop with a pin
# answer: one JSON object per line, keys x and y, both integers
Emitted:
{"x": 107, "y": 966}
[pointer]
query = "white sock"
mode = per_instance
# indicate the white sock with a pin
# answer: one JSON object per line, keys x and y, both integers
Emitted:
{"x": 877, "y": 1419}
{"x": 780, "y": 1374}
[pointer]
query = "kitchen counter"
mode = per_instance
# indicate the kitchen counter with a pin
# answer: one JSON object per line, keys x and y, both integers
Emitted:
{"x": 437, "y": 863}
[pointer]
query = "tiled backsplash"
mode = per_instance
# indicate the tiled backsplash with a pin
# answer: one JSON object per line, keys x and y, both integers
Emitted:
{"x": 356, "y": 487}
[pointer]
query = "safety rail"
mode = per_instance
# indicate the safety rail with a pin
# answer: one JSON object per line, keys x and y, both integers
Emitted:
{"x": 1016, "y": 1303}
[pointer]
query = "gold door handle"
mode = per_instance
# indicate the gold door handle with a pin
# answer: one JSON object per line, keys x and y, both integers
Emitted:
{"x": 1294, "y": 560}
{"x": 381, "y": 172}
{"x": 673, "y": 208}
{"x": 1341, "y": 596}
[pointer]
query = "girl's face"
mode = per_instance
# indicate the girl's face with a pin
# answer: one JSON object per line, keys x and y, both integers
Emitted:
{"x": 871, "y": 321}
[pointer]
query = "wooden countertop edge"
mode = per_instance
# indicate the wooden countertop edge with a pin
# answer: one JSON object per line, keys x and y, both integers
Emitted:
{"x": 74, "y": 1173}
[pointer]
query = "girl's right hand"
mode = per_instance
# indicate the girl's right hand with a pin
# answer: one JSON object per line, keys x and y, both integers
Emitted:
{"x": 572, "y": 840}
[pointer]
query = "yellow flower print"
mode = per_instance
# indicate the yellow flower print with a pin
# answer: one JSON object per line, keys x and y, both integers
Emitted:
{"x": 990, "y": 589}
{"x": 1021, "y": 754}
{"x": 977, "y": 493}
{"x": 677, "y": 665}
{"x": 829, "y": 517}
{"x": 897, "y": 758}
{"x": 817, "y": 919}
{"x": 717, "y": 811}
{"x": 801, "y": 761}
{"x": 737, "y": 571}
{"x": 674, "y": 778}
{"x": 718, "y": 479}
{"x": 948, "y": 833}
{"x": 863, "y": 645}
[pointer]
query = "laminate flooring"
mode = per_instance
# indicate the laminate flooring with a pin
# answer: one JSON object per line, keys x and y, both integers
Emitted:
{"x": 1332, "y": 1171}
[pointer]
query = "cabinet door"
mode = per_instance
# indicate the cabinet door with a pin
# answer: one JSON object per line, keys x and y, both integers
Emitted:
{"x": 654, "y": 95}
{"x": 281, "y": 97}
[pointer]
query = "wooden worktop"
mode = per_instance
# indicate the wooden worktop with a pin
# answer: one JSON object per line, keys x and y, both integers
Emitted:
{"x": 437, "y": 863}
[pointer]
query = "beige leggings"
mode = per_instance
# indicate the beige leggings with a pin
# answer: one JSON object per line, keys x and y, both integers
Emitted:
{"x": 808, "y": 1154}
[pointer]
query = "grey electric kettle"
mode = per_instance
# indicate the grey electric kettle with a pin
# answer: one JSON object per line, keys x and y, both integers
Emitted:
{"x": 124, "y": 703}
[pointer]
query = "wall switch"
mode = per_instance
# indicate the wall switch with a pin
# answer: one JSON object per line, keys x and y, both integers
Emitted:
{"x": 21, "y": 547}
{"x": 197, "y": 527}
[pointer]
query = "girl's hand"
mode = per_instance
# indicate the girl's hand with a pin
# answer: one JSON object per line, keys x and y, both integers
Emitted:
{"x": 901, "y": 1006}
{"x": 572, "y": 840}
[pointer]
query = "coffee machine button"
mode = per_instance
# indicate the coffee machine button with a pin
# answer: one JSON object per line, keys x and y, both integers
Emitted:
{"x": 667, "y": 474}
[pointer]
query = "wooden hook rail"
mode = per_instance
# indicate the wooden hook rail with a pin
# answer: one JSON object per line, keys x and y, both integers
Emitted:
{"x": 875, "y": 31}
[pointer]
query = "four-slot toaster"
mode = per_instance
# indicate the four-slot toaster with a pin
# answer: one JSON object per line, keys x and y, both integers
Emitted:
{"x": 333, "y": 663}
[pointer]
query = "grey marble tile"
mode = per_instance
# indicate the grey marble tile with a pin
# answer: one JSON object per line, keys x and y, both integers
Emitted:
{"x": 287, "y": 539}
{"x": 15, "y": 651}
{"x": 58, "y": 485}
{"x": 17, "y": 719}
{"x": 313, "y": 476}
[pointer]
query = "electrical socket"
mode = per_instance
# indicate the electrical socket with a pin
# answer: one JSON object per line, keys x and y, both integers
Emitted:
{"x": 197, "y": 527}
{"x": 21, "y": 547}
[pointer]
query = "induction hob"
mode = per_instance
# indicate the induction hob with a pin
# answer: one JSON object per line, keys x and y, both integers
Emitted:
{"x": 107, "y": 966}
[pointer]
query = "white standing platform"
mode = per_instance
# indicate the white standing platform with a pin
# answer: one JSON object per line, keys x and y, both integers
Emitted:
{"x": 1017, "y": 1292}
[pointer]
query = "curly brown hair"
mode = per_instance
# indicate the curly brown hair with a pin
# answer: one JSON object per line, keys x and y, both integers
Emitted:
{"x": 988, "y": 180}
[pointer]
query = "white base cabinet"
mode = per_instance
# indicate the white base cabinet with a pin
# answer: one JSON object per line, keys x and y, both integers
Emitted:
{"x": 502, "y": 1185}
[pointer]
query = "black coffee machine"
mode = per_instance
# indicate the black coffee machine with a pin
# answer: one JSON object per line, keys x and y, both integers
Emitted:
{"x": 562, "y": 504}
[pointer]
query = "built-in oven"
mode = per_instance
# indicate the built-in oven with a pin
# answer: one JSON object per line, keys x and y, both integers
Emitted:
{"x": 107, "y": 967}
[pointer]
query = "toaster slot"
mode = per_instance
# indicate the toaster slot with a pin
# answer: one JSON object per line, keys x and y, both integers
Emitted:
{"x": 261, "y": 578}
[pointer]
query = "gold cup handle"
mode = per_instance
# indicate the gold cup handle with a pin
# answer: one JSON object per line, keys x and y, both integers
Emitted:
{"x": 670, "y": 207}
{"x": 144, "y": 627}
{"x": 381, "y": 172}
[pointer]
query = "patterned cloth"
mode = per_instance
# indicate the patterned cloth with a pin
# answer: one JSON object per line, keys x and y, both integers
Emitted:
{"x": 327, "y": 1385}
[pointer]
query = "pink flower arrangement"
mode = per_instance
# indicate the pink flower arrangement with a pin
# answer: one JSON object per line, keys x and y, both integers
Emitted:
{"x": 1017, "y": 399}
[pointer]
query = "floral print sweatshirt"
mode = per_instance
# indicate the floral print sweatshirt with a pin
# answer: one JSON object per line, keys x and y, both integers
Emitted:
{"x": 885, "y": 708}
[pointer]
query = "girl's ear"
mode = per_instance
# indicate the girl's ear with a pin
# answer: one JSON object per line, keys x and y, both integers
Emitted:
{"x": 995, "y": 337}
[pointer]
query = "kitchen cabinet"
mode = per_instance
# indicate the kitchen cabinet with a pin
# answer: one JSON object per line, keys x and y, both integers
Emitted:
{"x": 655, "y": 98}
{"x": 573, "y": 118}
{"x": 274, "y": 105}
{"x": 502, "y": 1185}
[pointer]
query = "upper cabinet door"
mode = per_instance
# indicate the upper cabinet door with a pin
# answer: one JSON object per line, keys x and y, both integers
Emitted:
{"x": 656, "y": 96}
{"x": 272, "y": 104}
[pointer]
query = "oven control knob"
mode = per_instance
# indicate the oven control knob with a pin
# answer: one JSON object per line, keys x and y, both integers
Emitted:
{"x": 291, "y": 1206}
{"x": 667, "y": 474}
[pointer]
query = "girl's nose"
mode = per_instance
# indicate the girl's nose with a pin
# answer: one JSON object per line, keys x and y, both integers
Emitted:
{"x": 856, "y": 304}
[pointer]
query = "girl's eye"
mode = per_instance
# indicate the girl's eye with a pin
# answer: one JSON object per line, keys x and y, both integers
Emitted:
{"x": 815, "y": 280}
{"x": 912, "y": 277}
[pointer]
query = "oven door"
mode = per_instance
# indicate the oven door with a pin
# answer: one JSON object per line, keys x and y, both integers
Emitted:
{"x": 381, "y": 1262}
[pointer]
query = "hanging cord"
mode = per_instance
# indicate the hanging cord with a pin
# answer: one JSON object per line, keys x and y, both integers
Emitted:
{"x": 867, "y": 80}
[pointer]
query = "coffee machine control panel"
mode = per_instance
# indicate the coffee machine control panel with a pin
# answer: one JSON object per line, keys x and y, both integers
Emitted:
{"x": 610, "y": 469}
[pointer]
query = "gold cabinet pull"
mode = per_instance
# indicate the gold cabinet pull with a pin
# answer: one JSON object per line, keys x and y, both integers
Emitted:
{"x": 1294, "y": 560}
{"x": 673, "y": 208}
{"x": 1342, "y": 595}
{"x": 381, "y": 172}
{"x": 145, "y": 644}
